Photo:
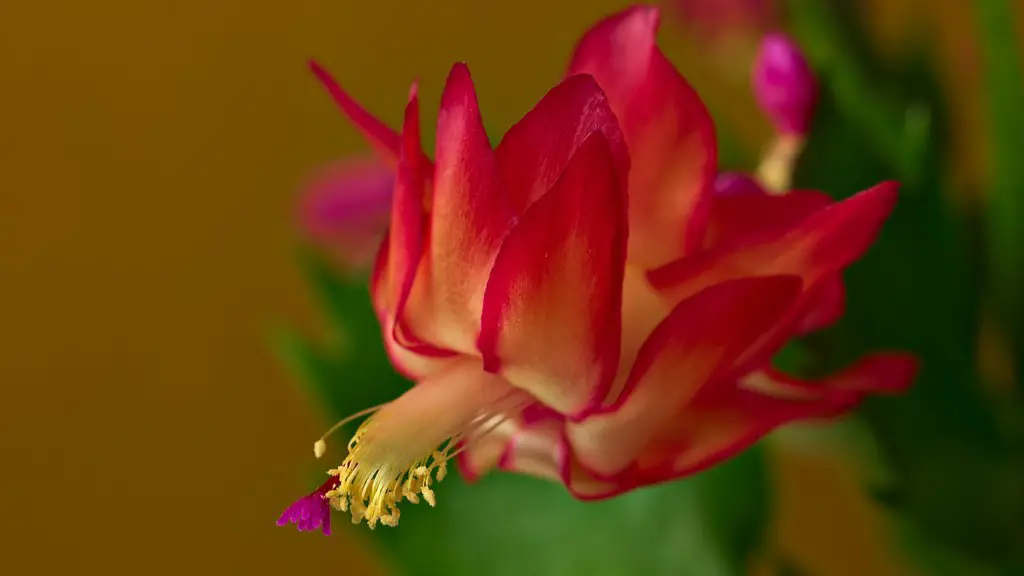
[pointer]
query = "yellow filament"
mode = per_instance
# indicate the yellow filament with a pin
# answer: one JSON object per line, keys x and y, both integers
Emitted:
{"x": 370, "y": 485}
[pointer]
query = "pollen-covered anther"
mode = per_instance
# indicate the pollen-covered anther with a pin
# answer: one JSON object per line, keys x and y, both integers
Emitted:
{"x": 370, "y": 485}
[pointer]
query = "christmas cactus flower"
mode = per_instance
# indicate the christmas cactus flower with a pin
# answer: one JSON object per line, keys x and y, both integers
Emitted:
{"x": 589, "y": 301}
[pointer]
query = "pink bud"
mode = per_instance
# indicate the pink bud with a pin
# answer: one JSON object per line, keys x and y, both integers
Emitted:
{"x": 784, "y": 84}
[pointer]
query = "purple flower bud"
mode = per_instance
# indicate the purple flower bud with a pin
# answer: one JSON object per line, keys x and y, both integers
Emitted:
{"x": 784, "y": 84}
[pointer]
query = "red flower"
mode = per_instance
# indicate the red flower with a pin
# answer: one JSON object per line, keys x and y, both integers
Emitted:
{"x": 549, "y": 333}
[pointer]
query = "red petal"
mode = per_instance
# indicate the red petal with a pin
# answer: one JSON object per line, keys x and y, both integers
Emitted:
{"x": 470, "y": 215}
{"x": 552, "y": 309}
{"x": 395, "y": 272}
{"x": 698, "y": 339}
{"x": 407, "y": 213}
{"x": 385, "y": 141}
{"x": 534, "y": 152}
{"x": 756, "y": 212}
{"x": 669, "y": 132}
{"x": 729, "y": 418}
{"x": 742, "y": 208}
{"x": 726, "y": 418}
{"x": 828, "y": 302}
{"x": 816, "y": 249}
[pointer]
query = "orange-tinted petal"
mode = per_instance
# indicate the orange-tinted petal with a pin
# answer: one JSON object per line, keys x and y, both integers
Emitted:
{"x": 534, "y": 152}
{"x": 669, "y": 132}
{"x": 385, "y": 141}
{"x": 395, "y": 270}
{"x": 470, "y": 215}
{"x": 551, "y": 312}
{"x": 691, "y": 347}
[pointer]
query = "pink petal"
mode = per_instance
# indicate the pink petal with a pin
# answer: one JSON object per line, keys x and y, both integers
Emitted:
{"x": 346, "y": 207}
{"x": 551, "y": 312}
{"x": 385, "y": 141}
{"x": 698, "y": 339}
{"x": 534, "y": 152}
{"x": 669, "y": 132}
{"x": 470, "y": 215}
{"x": 817, "y": 248}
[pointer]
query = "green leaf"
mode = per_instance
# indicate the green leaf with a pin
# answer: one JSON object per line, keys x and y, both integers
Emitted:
{"x": 915, "y": 290}
{"x": 512, "y": 525}
{"x": 836, "y": 48}
{"x": 351, "y": 370}
{"x": 1004, "y": 80}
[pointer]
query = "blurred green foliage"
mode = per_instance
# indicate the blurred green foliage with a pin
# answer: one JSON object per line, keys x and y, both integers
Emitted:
{"x": 957, "y": 498}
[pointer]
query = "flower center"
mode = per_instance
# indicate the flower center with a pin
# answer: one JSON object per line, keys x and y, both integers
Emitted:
{"x": 404, "y": 447}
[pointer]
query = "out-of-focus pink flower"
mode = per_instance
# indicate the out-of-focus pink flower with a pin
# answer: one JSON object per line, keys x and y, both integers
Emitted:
{"x": 784, "y": 84}
{"x": 580, "y": 304}
{"x": 346, "y": 207}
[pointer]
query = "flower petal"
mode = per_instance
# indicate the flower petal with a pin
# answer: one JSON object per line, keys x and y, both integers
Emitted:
{"x": 827, "y": 305}
{"x": 311, "y": 511}
{"x": 385, "y": 141}
{"x": 346, "y": 207}
{"x": 817, "y": 248}
{"x": 692, "y": 346}
{"x": 878, "y": 373}
{"x": 534, "y": 152}
{"x": 552, "y": 310}
{"x": 728, "y": 418}
{"x": 395, "y": 271}
{"x": 823, "y": 243}
{"x": 530, "y": 443}
{"x": 470, "y": 215}
{"x": 742, "y": 208}
{"x": 669, "y": 132}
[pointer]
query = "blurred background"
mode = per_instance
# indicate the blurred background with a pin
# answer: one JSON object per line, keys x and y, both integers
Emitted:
{"x": 152, "y": 155}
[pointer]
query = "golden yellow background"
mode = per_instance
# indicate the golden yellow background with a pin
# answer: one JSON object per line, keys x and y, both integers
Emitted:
{"x": 151, "y": 151}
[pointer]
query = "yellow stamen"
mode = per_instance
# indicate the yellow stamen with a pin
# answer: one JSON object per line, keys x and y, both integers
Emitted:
{"x": 372, "y": 481}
